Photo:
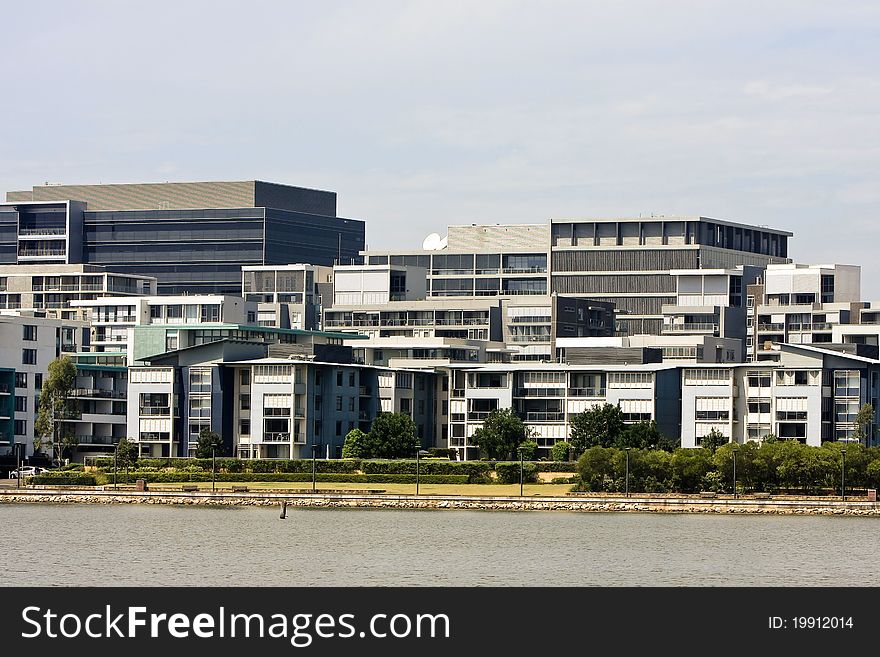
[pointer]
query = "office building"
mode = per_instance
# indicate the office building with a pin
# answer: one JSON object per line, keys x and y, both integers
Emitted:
{"x": 192, "y": 237}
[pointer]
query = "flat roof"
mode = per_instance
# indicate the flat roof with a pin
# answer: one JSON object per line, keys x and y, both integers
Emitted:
{"x": 660, "y": 217}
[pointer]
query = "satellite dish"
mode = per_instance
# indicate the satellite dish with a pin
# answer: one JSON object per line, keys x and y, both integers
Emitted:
{"x": 444, "y": 243}
{"x": 432, "y": 242}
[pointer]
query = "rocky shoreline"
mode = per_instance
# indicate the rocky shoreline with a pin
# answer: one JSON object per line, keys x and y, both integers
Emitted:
{"x": 582, "y": 504}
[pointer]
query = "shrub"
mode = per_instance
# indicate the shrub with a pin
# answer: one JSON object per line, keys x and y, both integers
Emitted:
{"x": 180, "y": 477}
{"x": 560, "y": 451}
{"x": 556, "y": 466}
{"x": 64, "y": 478}
{"x": 508, "y": 473}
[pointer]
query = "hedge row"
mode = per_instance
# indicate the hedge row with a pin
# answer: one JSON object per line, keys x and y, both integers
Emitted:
{"x": 63, "y": 478}
{"x": 474, "y": 469}
{"x": 509, "y": 473}
{"x": 769, "y": 467}
{"x": 195, "y": 477}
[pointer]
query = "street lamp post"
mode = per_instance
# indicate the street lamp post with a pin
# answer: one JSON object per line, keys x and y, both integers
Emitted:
{"x": 521, "y": 467}
{"x": 315, "y": 449}
{"x": 735, "y": 450}
{"x": 626, "y": 484}
{"x": 115, "y": 465}
{"x": 213, "y": 468}
{"x": 843, "y": 474}
{"x": 18, "y": 447}
{"x": 418, "y": 456}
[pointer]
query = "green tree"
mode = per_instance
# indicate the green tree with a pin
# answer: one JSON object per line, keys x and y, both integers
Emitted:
{"x": 529, "y": 449}
{"x": 747, "y": 466}
{"x": 864, "y": 417}
{"x": 641, "y": 435}
{"x": 356, "y": 445}
{"x": 561, "y": 451}
{"x": 596, "y": 468}
{"x": 502, "y": 432}
{"x": 689, "y": 468}
{"x": 600, "y": 425}
{"x": 713, "y": 440}
{"x": 210, "y": 444}
{"x": 125, "y": 453}
{"x": 392, "y": 435}
{"x": 56, "y": 407}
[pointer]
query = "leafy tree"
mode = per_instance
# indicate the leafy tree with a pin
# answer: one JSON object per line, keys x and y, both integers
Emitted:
{"x": 747, "y": 465}
{"x": 641, "y": 435}
{"x": 561, "y": 451}
{"x": 56, "y": 407}
{"x": 392, "y": 435}
{"x": 596, "y": 467}
{"x": 356, "y": 445}
{"x": 668, "y": 444}
{"x": 864, "y": 417}
{"x": 210, "y": 444}
{"x": 125, "y": 453}
{"x": 502, "y": 432}
{"x": 713, "y": 440}
{"x": 600, "y": 425}
{"x": 689, "y": 468}
{"x": 529, "y": 449}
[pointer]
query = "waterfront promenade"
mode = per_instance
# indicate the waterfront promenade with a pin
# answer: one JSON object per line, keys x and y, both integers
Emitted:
{"x": 781, "y": 505}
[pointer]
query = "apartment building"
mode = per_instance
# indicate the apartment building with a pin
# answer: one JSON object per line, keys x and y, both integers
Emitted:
{"x": 28, "y": 344}
{"x": 267, "y": 402}
{"x": 192, "y": 237}
{"x": 800, "y": 304}
{"x": 111, "y": 318}
{"x": 547, "y": 397}
{"x": 390, "y": 304}
{"x": 810, "y": 394}
{"x": 50, "y": 289}
{"x": 287, "y": 296}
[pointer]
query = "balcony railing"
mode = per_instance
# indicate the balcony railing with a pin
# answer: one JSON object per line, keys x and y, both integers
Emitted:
{"x": 280, "y": 437}
{"x": 689, "y": 326}
{"x": 771, "y": 327}
{"x": 530, "y": 338}
{"x": 155, "y": 410}
{"x": 545, "y": 416}
{"x": 822, "y": 326}
{"x": 95, "y": 392}
{"x": 364, "y": 391}
{"x": 28, "y": 253}
{"x": 48, "y": 230}
{"x": 524, "y": 270}
{"x": 540, "y": 392}
{"x": 586, "y": 392}
{"x": 457, "y": 392}
{"x": 477, "y": 416}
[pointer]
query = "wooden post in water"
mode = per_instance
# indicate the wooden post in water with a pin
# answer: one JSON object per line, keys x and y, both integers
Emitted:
{"x": 283, "y": 510}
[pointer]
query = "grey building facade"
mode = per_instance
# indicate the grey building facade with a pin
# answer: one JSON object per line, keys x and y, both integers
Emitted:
{"x": 192, "y": 237}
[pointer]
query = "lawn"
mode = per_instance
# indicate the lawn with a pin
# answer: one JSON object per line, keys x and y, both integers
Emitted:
{"x": 506, "y": 490}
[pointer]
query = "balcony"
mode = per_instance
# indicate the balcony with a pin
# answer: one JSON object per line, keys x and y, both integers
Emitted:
{"x": 477, "y": 416}
{"x": 776, "y": 328}
{"x": 299, "y": 412}
{"x": 524, "y": 270}
{"x": 545, "y": 339}
{"x": 41, "y": 253}
{"x": 540, "y": 392}
{"x": 47, "y": 230}
{"x": 101, "y": 394}
{"x": 365, "y": 391}
{"x": 96, "y": 440}
{"x": 280, "y": 437}
{"x": 690, "y": 327}
{"x": 586, "y": 392}
{"x": 155, "y": 410}
{"x": 822, "y": 326}
{"x": 545, "y": 416}
{"x": 457, "y": 393}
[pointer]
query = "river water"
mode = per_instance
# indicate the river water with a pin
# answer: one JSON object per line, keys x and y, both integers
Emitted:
{"x": 140, "y": 545}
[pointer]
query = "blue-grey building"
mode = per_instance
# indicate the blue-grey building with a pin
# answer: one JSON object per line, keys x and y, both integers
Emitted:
{"x": 193, "y": 237}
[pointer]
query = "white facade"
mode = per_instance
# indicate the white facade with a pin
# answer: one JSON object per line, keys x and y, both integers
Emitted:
{"x": 28, "y": 344}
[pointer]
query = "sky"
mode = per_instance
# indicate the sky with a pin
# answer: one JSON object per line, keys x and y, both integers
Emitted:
{"x": 425, "y": 114}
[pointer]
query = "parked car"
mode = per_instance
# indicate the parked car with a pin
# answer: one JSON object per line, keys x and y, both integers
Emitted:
{"x": 26, "y": 471}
